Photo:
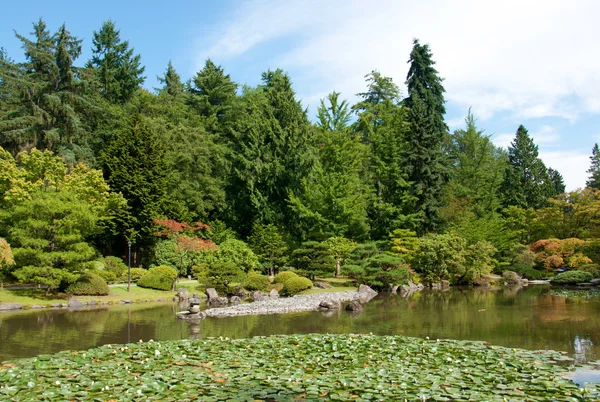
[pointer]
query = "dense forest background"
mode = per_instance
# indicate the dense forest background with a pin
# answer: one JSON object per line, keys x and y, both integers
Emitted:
{"x": 90, "y": 160}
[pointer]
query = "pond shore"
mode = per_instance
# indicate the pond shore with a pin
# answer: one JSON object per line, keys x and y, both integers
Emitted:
{"x": 293, "y": 304}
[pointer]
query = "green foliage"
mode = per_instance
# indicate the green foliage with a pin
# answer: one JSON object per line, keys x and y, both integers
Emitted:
{"x": 232, "y": 251}
{"x": 526, "y": 183}
{"x": 594, "y": 170}
{"x": 313, "y": 259}
{"x": 440, "y": 257}
{"x": 88, "y": 284}
{"x": 296, "y": 285}
{"x": 165, "y": 270}
{"x": 220, "y": 275}
{"x": 479, "y": 261}
{"x": 571, "y": 278}
{"x": 415, "y": 362}
{"x": 156, "y": 280}
{"x": 256, "y": 281}
{"x": 136, "y": 274}
{"x": 108, "y": 276}
{"x": 369, "y": 265}
{"x": 283, "y": 276}
{"x": 114, "y": 265}
{"x": 526, "y": 271}
{"x": 593, "y": 269}
{"x": 404, "y": 244}
{"x": 118, "y": 71}
{"x": 269, "y": 246}
{"x": 340, "y": 249}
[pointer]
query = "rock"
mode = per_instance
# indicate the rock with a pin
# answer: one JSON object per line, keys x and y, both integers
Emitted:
{"x": 217, "y": 301}
{"x": 182, "y": 294}
{"x": 354, "y": 305}
{"x": 92, "y": 303}
{"x": 595, "y": 281}
{"x": 76, "y": 303}
{"x": 395, "y": 289}
{"x": 211, "y": 293}
{"x": 540, "y": 282}
{"x": 585, "y": 284}
{"x": 56, "y": 305}
{"x": 235, "y": 300}
{"x": 64, "y": 305}
{"x": 365, "y": 293}
{"x": 37, "y": 307}
{"x": 273, "y": 293}
{"x": 239, "y": 292}
{"x": 194, "y": 309}
{"x": 10, "y": 306}
{"x": 103, "y": 303}
{"x": 258, "y": 296}
{"x": 195, "y": 300}
{"x": 196, "y": 296}
{"x": 328, "y": 305}
{"x": 322, "y": 285}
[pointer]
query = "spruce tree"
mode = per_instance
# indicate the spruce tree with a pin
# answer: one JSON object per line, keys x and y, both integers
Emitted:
{"x": 427, "y": 132}
{"x": 594, "y": 170}
{"x": 334, "y": 117}
{"x": 171, "y": 81}
{"x": 526, "y": 182}
{"x": 118, "y": 70}
{"x": 558, "y": 183}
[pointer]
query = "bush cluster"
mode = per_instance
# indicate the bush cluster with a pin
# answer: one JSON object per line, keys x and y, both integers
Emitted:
{"x": 89, "y": 284}
{"x": 136, "y": 274}
{"x": 159, "y": 278}
{"x": 526, "y": 271}
{"x": 106, "y": 275}
{"x": 255, "y": 281}
{"x": 296, "y": 285}
{"x": 283, "y": 276}
{"x": 572, "y": 278}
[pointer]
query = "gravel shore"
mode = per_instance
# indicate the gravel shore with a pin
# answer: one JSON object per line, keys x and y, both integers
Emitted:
{"x": 280, "y": 305}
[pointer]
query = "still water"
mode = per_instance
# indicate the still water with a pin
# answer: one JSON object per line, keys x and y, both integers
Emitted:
{"x": 531, "y": 318}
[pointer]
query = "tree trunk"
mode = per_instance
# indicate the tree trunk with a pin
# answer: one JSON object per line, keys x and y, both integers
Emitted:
{"x": 338, "y": 266}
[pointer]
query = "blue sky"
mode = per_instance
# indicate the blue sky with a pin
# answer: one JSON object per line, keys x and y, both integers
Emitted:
{"x": 514, "y": 62}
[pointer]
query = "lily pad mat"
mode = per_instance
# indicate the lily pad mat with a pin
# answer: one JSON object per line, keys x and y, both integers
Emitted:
{"x": 293, "y": 367}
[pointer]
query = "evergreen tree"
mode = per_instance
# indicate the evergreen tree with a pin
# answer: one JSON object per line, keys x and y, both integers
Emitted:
{"x": 313, "y": 259}
{"x": 594, "y": 170}
{"x": 118, "y": 70}
{"x": 426, "y": 165}
{"x": 268, "y": 244}
{"x": 557, "y": 181}
{"x": 336, "y": 116}
{"x": 526, "y": 183}
{"x": 172, "y": 81}
{"x": 134, "y": 165}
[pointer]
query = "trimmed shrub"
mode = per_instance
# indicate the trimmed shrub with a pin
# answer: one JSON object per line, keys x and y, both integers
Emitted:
{"x": 256, "y": 281}
{"x": 165, "y": 270}
{"x": 526, "y": 271}
{"x": 136, "y": 274}
{"x": 106, "y": 275}
{"x": 511, "y": 277}
{"x": 571, "y": 278}
{"x": 296, "y": 285}
{"x": 283, "y": 276}
{"x": 156, "y": 280}
{"x": 89, "y": 284}
{"x": 115, "y": 265}
{"x": 593, "y": 269}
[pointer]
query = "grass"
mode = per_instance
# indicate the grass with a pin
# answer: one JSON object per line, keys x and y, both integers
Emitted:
{"x": 315, "y": 291}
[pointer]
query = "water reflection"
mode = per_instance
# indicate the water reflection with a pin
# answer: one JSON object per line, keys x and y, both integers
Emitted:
{"x": 530, "y": 318}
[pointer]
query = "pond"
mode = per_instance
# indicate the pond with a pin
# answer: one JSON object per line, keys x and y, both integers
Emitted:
{"x": 531, "y": 318}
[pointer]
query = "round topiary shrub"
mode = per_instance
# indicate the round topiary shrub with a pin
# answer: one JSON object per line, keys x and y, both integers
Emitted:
{"x": 88, "y": 284}
{"x": 283, "y": 276}
{"x": 296, "y": 285}
{"x": 255, "y": 281}
{"x": 156, "y": 280}
{"x": 571, "y": 278}
{"x": 115, "y": 265}
{"x": 165, "y": 270}
{"x": 136, "y": 274}
{"x": 106, "y": 275}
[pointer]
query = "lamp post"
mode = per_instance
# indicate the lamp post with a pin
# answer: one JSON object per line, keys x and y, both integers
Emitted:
{"x": 129, "y": 267}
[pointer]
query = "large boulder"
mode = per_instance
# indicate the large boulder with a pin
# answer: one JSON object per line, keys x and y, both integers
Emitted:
{"x": 355, "y": 306}
{"x": 74, "y": 303}
{"x": 211, "y": 293}
{"x": 322, "y": 285}
{"x": 365, "y": 293}
{"x": 235, "y": 300}
{"x": 182, "y": 294}
{"x": 258, "y": 296}
{"x": 328, "y": 305}
{"x": 218, "y": 301}
{"x": 273, "y": 293}
{"x": 10, "y": 306}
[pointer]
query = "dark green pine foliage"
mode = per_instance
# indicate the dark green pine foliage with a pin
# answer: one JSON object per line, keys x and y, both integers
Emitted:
{"x": 45, "y": 103}
{"x": 594, "y": 170}
{"x": 526, "y": 182}
{"x": 134, "y": 165}
{"x": 272, "y": 152}
{"x": 171, "y": 81}
{"x": 212, "y": 94}
{"x": 335, "y": 198}
{"x": 557, "y": 181}
{"x": 313, "y": 259}
{"x": 426, "y": 164}
{"x": 381, "y": 125}
{"x": 118, "y": 70}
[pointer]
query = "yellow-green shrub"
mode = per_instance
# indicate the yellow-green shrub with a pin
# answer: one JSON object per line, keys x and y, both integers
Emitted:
{"x": 296, "y": 285}
{"x": 283, "y": 276}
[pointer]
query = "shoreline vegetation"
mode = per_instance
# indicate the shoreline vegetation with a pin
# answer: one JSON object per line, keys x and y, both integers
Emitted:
{"x": 295, "y": 367}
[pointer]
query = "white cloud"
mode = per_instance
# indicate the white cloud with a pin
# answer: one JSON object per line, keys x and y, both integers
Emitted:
{"x": 546, "y": 135}
{"x": 503, "y": 140}
{"x": 572, "y": 165}
{"x": 527, "y": 58}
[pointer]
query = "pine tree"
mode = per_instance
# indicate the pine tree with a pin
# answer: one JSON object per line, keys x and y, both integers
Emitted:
{"x": 172, "y": 81}
{"x": 526, "y": 182}
{"x": 118, "y": 70}
{"x": 134, "y": 165}
{"x": 426, "y": 165}
{"x": 557, "y": 181}
{"x": 336, "y": 116}
{"x": 594, "y": 170}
